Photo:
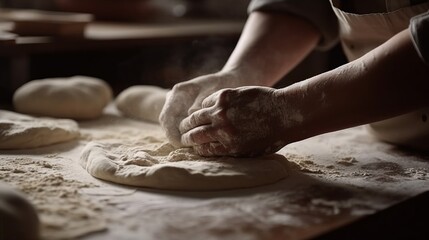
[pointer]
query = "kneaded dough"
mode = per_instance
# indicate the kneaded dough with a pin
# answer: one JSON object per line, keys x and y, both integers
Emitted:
{"x": 18, "y": 131}
{"x": 410, "y": 130}
{"x": 77, "y": 97}
{"x": 19, "y": 219}
{"x": 142, "y": 102}
{"x": 165, "y": 167}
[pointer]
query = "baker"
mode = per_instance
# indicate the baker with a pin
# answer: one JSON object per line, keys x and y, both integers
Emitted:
{"x": 235, "y": 111}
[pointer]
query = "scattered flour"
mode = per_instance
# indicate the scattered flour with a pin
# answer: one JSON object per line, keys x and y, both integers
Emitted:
{"x": 347, "y": 161}
{"x": 300, "y": 206}
{"x": 64, "y": 212}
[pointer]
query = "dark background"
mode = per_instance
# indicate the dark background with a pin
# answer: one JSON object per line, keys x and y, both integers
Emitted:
{"x": 161, "y": 64}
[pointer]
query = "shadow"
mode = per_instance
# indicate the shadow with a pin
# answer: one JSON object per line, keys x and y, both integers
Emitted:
{"x": 109, "y": 120}
{"x": 51, "y": 149}
{"x": 402, "y": 151}
{"x": 405, "y": 220}
{"x": 292, "y": 181}
{"x": 301, "y": 188}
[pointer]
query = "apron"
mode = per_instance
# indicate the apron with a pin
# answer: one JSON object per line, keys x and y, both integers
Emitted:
{"x": 359, "y": 34}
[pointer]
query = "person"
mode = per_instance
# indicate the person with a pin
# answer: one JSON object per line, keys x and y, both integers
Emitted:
{"x": 236, "y": 112}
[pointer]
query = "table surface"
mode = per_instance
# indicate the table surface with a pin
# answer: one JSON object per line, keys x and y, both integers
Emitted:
{"x": 113, "y": 34}
{"x": 333, "y": 180}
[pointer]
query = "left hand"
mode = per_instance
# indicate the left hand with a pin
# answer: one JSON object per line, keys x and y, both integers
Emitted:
{"x": 246, "y": 121}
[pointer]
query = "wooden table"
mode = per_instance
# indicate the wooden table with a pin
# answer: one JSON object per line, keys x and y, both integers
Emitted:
{"x": 110, "y": 35}
{"x": 334, "y": 179}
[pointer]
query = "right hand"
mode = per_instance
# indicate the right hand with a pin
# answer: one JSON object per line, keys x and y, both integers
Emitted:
{"x": 186, "y": 97}
{"x": 240, "y": 122}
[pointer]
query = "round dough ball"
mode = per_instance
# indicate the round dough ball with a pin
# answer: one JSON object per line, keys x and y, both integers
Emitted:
{"x": 409, "y": 130}
{"x": 77, "y": 97}
{"x": 18, "y": 131}
{"x": 18, "y": 218}
{"x": 142, "y": 102}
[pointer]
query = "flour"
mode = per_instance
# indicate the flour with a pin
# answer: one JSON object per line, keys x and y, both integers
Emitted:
{"x": 347, "y": 161}
{"x": 306, "y": 164}
{"x": 18, "y": 131}
{"x": 283, "y": 212}
{"x": 299, "y": 207}
{"x": 64, "y": 213}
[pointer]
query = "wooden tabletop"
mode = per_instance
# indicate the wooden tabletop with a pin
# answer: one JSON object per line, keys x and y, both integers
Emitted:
{"x": 99, "y": 35}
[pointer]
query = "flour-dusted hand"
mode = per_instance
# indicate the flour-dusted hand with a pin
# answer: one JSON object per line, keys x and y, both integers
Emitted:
{"x": 246, "y": 121}
{"x": 270, "y": 46}
{"x": 186, "y": 97}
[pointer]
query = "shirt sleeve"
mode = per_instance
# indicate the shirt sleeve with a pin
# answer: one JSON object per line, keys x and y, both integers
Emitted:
{"x": 419, "y": 27}
{"x": 318, "y": 12}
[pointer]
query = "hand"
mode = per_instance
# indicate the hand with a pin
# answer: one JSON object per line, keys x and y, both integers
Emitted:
{"x": 186, "y": 97}
{"x": 246, "y": 121}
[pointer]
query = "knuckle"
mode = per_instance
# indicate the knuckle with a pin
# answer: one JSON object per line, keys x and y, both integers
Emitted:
{"x": 186, "y": 87}
{"x": 225, "y": 94}
{"x": 187, "y": 139}
{"x": 179, "y": 86}
{"x": 192, "y": 138}
{"x": 193, "y": 119}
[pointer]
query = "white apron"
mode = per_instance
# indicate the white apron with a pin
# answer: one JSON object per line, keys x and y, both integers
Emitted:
{"x": 359, "y": 34}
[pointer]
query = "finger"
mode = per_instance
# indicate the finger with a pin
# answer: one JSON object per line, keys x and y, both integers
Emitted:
{"x": 200, "y": 135}
{"x": 198, "y": 118}
{"x": 172, "y": 132}
{"x": 193, "y": 109}
{"x": 212, "y": 149}
{"x": 211, "y": 100}
{"x": 196, "y": 105}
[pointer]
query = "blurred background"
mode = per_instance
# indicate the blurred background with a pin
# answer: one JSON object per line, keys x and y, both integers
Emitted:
{"x": 125, "y": 42}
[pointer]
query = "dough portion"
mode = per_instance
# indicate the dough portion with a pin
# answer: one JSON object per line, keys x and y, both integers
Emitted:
{"x": 77, "y": 97}
{"x": 18, "y": 131}
{"x": 142, "y": 102}
{"x": 160, "y": 165}
{"x": 410, "y": 130}
{"x": 16, "y": 210}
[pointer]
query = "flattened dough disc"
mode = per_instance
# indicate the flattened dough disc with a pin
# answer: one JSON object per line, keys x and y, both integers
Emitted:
{"x": 165, "y": 167}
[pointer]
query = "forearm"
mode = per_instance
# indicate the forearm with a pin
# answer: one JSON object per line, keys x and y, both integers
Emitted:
{"x": 270, "y": 46}
{"x": 389, "y": 81}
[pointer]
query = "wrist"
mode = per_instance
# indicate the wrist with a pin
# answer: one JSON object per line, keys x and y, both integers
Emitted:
{"x": 293, "y": 115}
{"x": 245, "y": 75}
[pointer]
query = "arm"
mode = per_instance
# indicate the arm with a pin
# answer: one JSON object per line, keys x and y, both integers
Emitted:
{"x": 269, "y": 47}
{"x": 386, "y": 82}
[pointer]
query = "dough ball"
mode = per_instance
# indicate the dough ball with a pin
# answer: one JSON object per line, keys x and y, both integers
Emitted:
{"x": 77, "y": 97}
{"x": 18, "y": 131}
{"x": 410, "y": 130}
{"x": 160, "y": 165}
{"x": 142, "y": 102}
{"x": 18, "y": 218}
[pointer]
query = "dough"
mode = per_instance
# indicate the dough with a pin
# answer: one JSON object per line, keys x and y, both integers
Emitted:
{"x": 77, "y": 97}
{"x": 160, "y": 165}
{"x": 142, "y": 102}
{"x": 410, "y": 130}
{"x": 18, "y": 131}
{"x": 18, "y": 218}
